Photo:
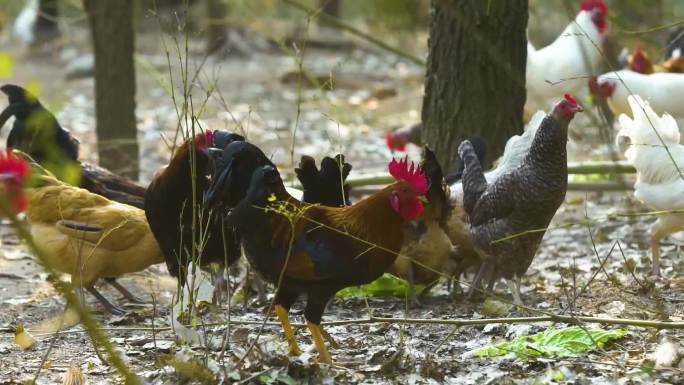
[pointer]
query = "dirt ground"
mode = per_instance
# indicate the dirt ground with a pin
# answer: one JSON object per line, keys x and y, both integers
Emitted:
{"x": 375, "y": 91}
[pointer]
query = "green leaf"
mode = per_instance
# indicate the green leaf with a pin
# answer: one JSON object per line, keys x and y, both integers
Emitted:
{"x": 385, "y": 286}
{"x": 567, "y": 342}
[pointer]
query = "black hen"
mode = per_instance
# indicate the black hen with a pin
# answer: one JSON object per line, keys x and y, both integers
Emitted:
{"x": 523, "y": 199}
{"x": 169, "y": 211}
{"x": 36, "y": 130}
{"x": 326, "y": 186}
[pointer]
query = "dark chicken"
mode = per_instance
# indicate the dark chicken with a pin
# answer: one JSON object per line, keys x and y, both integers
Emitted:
{"x": 169, "y": 211}
{"x": 525, "y": 198}
{"x": 331, "y": 247}
{"x": 37, "y": 132}
{"x": 326, "y": 186}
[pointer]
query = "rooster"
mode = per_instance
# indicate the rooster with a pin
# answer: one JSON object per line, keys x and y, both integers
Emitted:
{"x": 13, "y": 176}
{"x": 675, "y": 44}
{"x": 325, "y": 186}
{"x": 660, "y": 182}
{"x": 169, "y": 211}
{"x": 524, "y": 198}
{"x": 426, "y": 249}
{"x": 398, "y": 138}
{"x": 641, "y": 63}
{"x": 37, "y": 132}
{"x": 664, "y": 91}
{"x": 563, "y": 66}
{"x": 88, "y": 236}
{"x": 330, "y": 248}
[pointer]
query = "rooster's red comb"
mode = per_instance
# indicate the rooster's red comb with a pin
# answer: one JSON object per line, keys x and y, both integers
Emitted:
{"x": 570, "y": 99}
{"x": 588, "y": 5}
{"x": 12, "y": 165}
{"x": 411, "y": 174}
{"x": 204, "y": 139}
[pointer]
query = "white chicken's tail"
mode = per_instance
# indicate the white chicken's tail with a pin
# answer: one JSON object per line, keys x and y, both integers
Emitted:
{"x": 644, "y": 131}
{"x": 515, "y": 151}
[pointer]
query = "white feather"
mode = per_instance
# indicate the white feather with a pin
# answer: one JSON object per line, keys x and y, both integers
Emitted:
{"x": 664, "y": 92}
{"x": 23, "y": 25}
{"x": 296, "y": 194}
{"x": 659, "y": 182}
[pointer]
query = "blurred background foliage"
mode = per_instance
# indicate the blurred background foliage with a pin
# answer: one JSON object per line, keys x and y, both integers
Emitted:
{"x": 398, "y": 20}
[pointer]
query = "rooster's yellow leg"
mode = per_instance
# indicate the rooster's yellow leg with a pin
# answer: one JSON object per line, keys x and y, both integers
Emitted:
{"x": 281, "y": 312}
{"x": 323, "y": 355}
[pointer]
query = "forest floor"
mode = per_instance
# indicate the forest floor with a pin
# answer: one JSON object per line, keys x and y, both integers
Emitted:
{"x": 374, "y": 91}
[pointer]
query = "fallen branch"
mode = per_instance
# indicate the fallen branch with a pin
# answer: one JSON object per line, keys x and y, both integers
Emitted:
{"x": 574, "y": 168}
{"x": 673, "y": 325}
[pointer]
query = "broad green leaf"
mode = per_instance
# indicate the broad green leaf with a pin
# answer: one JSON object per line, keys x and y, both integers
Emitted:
{"x": 385, "y": 286}
{"x": 567, "y": 342}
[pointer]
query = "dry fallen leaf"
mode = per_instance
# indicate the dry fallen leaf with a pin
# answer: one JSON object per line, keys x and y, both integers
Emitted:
{"x": 74, "y": 376}
{"x": 23, "y": 338}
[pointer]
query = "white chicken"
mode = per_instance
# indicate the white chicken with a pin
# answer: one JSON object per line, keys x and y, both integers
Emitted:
{"x": 564, "y": 65}
{"x": 660, "y": 180}
{"x": 663, "y": 91}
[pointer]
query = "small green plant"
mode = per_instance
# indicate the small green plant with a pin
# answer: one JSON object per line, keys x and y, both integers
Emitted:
{"x": 566, "y": 342}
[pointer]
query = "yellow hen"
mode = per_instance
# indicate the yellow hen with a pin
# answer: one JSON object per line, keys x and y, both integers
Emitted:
{"x": 89, "y": 236}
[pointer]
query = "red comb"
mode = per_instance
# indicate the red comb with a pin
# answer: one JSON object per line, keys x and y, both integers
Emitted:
{"x": 389, "y": 140}
{"x": 411, "y": 174}
{"x": 210, "y": 137}
{"x": 571, "y": 99}
{"x": 588, "y": 5}
{"x": 10, "y": 164}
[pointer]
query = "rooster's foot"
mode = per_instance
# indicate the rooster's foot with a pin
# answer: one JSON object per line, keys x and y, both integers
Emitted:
{"x": 126, "y": 294}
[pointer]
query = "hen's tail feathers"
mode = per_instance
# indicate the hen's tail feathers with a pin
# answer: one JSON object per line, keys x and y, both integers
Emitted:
{"x": 474, "y": 182}
{"x": 437, "y": 189}
{"x": 641, "y": 130}
{"x": 515, "y": 151}
{"x": 480, "y": 146}
{"x": 326, "y": 186}
{"x": 334, "y": 172}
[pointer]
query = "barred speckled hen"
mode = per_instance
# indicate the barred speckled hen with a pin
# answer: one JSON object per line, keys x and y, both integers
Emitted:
{"x": 523, "y": 199}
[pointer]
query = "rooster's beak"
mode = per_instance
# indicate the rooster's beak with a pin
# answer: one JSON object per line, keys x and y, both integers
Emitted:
{"x": 214, "y": 153}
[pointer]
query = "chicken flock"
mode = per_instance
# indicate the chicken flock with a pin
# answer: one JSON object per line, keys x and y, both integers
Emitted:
{"x": 221, "y": 197}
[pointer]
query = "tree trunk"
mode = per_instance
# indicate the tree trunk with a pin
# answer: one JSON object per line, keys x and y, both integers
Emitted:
{"x": 111, "y": 25}
{"x": 475, "y": 81}
{"x": 217, "y": 33}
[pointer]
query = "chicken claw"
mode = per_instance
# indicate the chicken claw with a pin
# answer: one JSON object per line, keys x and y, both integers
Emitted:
{"x": 111, "y": 308}
{"x": 281, "y": 312}
{"x": 127, "y": 294}
{"x": 316, "y": 333}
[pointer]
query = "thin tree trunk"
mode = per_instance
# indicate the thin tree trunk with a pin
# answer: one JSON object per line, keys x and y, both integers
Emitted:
{"x": 217, "y": 33}
{"x": 330, "y": 7}
{"x": 111, "y": 24}
{"x": 46, "y": 28}
{"x": 475, "y": 81}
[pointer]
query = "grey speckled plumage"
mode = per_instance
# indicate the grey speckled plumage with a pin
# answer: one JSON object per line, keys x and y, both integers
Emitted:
{"x": 525, "y": 198}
